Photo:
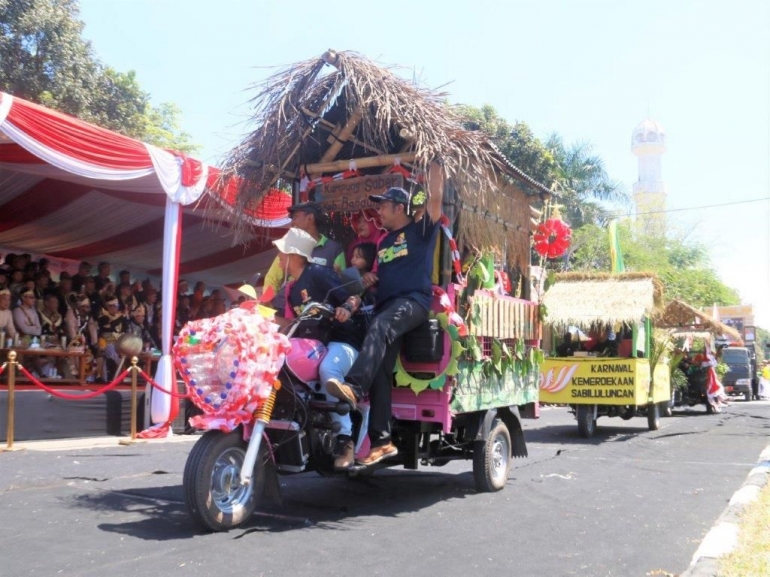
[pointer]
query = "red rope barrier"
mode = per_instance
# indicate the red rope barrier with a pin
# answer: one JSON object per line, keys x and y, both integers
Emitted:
{"x": 155, "y": 385}
{"x": 89, "y": 395}
{"x": 2, "y": 369}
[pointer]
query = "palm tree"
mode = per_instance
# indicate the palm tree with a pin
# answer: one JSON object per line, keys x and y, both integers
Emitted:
{"x": 581, "y": 183}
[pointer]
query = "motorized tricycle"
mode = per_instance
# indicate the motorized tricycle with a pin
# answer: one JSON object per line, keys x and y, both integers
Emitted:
{"x": 443, "y": 409}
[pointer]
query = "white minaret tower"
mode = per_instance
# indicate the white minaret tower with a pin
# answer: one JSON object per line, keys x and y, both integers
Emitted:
{"x": 648, "y": 143}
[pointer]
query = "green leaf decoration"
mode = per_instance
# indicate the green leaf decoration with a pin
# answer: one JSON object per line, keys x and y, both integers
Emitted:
{"x": 497, "y": 356}
{"x": 404, "y": 379}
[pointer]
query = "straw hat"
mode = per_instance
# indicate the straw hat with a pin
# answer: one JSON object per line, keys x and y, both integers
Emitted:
{"x": 296, "y": 241}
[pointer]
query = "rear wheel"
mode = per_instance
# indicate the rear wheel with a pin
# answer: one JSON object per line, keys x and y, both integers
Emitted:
{"x": 492, "y": 459}
{"x": 585, "y": 420}
{"x": 213, "y": 493}
{"x": 653, "y": 416}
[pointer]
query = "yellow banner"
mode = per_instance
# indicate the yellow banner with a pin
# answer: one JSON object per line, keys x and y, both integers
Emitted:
{"x": 601, "y": 381}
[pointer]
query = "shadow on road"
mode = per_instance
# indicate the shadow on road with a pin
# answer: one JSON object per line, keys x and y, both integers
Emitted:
{"x": 309, "y": 501}
{"x": 568, "y": 434}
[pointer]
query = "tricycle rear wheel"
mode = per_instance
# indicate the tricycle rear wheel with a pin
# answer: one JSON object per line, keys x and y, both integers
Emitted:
{"x": 492, "y": 459}
{"x": 585, "y": 420}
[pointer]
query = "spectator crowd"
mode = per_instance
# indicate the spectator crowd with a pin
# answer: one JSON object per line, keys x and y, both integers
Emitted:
{"x": 88, "y": 312}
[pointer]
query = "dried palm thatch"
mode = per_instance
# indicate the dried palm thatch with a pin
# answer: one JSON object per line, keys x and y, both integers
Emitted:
{"x": 686, "y": 319}
{"x": 587, "y": 299}
{"x": 314, "y": 116}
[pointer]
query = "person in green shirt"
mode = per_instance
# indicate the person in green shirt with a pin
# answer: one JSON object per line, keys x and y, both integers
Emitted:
{"x": 327, "y": 252}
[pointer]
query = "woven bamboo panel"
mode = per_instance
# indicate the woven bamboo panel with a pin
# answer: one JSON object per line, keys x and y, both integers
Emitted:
{"x": 504, "y": 318}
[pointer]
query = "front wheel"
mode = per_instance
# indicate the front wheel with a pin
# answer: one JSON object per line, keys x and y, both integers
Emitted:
{"x": 492, "y": 459}
{"x": 585, "y": 420}
{"x": 653, "y": 416}
{"x": 213, "y": 494}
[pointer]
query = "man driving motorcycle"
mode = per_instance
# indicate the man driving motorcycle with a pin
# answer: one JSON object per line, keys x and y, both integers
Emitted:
{"x": 404, "y": 293}
{"x": 316, "y": 283}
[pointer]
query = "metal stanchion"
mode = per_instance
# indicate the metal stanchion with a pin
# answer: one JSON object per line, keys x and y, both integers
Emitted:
{"x": 134, "y": 404}
{"x": 11, "y": 367}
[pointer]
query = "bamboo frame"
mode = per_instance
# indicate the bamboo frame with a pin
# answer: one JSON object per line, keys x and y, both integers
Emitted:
{"x": 365, "y": 162}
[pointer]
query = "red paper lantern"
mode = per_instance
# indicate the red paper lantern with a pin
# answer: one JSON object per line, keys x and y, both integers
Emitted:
{"x": 552, "y": 238}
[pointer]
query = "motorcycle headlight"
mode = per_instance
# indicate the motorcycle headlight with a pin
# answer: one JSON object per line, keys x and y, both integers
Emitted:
{"x": 743, "y": 382}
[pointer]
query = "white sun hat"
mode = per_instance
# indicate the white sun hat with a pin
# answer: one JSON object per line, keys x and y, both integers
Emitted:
{"x": 296, "y": 241}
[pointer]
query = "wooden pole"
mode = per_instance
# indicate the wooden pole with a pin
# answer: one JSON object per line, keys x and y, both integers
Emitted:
{"x": 338, "y": 140}
{"x": 326, "y": 125}
{"x": 11, "y": 401}
{"x": 367, "y": 162}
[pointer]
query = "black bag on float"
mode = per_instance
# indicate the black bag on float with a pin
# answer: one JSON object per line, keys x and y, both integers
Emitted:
{"x": 424, "y": 344}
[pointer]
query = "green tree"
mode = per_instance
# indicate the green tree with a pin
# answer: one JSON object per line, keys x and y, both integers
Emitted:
{"x": 516, "y": 141}
{"x": 44, "y": 59}
{"x": 683, "y": 267}
{"x": 581, "y": 183}
{"x": 161, "y": 128}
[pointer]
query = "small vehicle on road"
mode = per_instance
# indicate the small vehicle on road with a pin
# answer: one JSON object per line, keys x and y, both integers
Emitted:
{"x": 603, "y": 365}
{"x": 738, "y": 380}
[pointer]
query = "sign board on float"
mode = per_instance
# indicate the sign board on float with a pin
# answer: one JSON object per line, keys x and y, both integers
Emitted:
{"x": 352, "y": 194}
{"x": 601, "y": 381}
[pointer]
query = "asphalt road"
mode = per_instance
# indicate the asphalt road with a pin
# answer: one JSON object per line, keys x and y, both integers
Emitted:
{"x": 628, "y": 502}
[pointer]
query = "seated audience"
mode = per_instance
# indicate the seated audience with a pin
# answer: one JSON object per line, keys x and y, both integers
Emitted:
{"x": 26, "y": 316}
{"x": 6, "y": 316}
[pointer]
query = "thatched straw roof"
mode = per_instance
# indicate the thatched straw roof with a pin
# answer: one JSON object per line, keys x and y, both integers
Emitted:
{"x": 684, "y": 318}
{"x": 316, "y": 115}
{"x": 586, "y": 299}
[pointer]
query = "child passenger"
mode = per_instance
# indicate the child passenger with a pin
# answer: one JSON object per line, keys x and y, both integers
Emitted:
{"x": 342, "y": 353}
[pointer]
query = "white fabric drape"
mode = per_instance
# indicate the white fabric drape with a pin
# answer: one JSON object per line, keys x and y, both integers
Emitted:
{"x": 5, "y": 107}
{"x": 169, "y": 170}
{"x": 68, "y": 163}
{"x": 172, "y": 230}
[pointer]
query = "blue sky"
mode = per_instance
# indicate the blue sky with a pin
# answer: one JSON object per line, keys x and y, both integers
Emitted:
{"x": 589, "y": 70}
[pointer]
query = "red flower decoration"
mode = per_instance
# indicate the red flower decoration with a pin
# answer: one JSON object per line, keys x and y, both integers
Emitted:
{"x": 552, "y": 238}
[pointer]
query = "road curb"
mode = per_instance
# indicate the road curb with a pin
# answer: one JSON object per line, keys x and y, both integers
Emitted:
{"x": 722, "y": 538}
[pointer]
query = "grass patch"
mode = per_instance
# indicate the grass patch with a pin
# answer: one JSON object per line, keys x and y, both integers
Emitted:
{"x": 752, "y": 556}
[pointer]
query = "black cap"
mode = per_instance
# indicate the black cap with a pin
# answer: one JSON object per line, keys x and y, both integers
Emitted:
{"x": 64, "y": 274}
{"x": 124, "y": 272}
{"x": 311, "y": 207}
{"x": 393, "y": 194}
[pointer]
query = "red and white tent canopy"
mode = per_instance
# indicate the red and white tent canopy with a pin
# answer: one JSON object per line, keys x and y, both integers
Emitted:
{"x": 72, "y": 190}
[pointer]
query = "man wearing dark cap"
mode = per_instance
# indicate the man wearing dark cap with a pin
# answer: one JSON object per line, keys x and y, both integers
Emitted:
{"x": 404, "y": 293}
{"x": 306, "y": 216}
{"x": 84, "y": 270}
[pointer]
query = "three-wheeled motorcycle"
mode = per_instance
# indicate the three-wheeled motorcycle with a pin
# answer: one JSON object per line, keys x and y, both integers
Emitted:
{"x": 446, "y": 406}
